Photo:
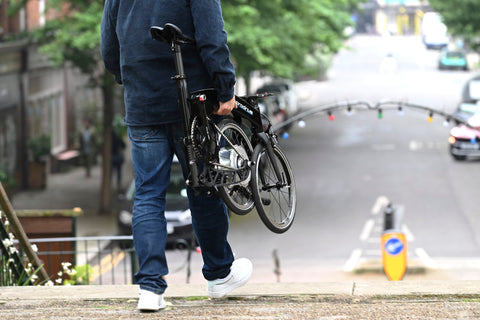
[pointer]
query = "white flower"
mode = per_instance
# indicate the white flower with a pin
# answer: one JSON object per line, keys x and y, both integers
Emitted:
{"x": 60, "y": 273}
{"x": 11, "y": 236}
{"x": 49, "y": 283}
{"x": 59, "y": 281}
{"x": 72, "y": 272}
{"x": 7, "y": 243}
{"x": 34, "y": 277}
{"x": 34, "y": 248}
{"x": 7, "y": 223}
{"x": 13, "y": 250}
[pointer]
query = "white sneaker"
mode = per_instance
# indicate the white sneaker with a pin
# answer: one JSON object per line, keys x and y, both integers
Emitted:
{"x": 150, "y": 301}
{"x": 240, "y": 273}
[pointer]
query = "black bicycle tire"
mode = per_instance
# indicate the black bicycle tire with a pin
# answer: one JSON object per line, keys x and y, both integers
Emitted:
{"x": 260, "y": 196}
{"x": 226, "y": 191}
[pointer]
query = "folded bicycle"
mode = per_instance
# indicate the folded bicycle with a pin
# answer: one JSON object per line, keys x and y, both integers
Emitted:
{"x": 238, "y": 157}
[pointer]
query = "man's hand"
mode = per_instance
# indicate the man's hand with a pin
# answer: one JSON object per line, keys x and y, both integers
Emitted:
{"x": 226, "y": 107}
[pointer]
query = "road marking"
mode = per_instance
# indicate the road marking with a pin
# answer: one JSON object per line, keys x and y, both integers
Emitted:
{"x": 383, "y": 147}
{"x": 353, "y": 260}
{"x": 408, "y": 233}
{"x": 415, "y": 145}
{"x": 426, "y": 259}
{"x": 106, "y": 264}
{"x": 367, "y": 229}
{"x": 379, "y": 204}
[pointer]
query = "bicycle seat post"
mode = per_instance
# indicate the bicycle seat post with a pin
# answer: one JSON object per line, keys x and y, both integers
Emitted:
{"x": 181, "y": 80}
{"x": 182, "y": 89}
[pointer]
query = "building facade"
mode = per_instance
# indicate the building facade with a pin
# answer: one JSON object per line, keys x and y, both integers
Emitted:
{"x": 36, "y": 99}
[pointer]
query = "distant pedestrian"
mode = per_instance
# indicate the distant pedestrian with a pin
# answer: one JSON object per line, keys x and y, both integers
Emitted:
{"x": 87, "y": 146}
{"x": 118, "y": 146}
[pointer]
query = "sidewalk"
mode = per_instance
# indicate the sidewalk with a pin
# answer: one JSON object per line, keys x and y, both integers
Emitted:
{"x": 331, "y": 300}
{"x": 73, "y": 189}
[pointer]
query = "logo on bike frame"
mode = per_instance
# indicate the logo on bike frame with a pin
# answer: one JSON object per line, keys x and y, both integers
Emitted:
{"x": 241, "y": 106}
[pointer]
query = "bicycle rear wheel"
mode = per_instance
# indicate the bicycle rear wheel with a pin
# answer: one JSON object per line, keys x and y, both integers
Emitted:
{"x": 235, "y": 150}
{"x": 275, "y": 200}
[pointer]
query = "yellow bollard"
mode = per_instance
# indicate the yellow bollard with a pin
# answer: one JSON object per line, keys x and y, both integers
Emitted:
{"x": 394, "y": 254}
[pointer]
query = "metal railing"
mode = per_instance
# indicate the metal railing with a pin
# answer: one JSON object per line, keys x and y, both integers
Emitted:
{"x": 98, "y": 260}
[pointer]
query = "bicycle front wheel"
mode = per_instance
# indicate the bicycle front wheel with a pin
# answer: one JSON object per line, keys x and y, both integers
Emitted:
{"x": 275, "y": 197}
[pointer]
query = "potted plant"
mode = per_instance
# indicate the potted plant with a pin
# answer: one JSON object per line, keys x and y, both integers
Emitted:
{"x": 39, "y": 148}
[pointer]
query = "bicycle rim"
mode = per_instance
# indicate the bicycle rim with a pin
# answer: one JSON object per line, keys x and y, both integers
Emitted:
{"x": 237, "y": 196}
{"x": 275, "y": 200}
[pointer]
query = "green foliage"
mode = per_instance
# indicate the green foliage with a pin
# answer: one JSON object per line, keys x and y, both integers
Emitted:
{"x": 277, "y": 35}
{"x": 461, "y": 17}
{"x": 6, "y": 179}
{"x": 39, "y": 146}
{"x": 80, "y": 275}
{"x": 74, "y": 37}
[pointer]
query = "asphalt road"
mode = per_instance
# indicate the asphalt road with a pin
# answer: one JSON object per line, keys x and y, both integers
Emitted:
{"x": 346, "y": 168}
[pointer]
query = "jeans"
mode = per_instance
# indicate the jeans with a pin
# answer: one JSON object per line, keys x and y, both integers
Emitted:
{"x": 152, "y": 153}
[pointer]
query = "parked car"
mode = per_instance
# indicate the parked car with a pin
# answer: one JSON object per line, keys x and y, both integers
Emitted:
{"x": 282, "y": 104}
{"x": 453, "y": 59}
{"x": 467, "y": 109}
{"x": 471, "y": 89}
{"x": 464, "y": 140}
{"x": 177, "y": 212}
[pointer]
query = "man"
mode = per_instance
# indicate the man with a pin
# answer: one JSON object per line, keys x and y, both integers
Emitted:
{"x": 87, "y": 146}
{"x": 145, "y": 68}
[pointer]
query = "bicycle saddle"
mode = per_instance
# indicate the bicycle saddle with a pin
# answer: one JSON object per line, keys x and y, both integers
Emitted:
{"x": 170, "y": 33}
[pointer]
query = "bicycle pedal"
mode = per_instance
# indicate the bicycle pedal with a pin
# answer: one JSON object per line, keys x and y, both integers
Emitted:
{"x": 266, "y": 201}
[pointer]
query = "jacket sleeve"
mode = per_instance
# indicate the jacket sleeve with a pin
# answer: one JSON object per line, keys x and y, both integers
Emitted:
{"x": 109, "y": 46}
{"x": 211, "y": 41}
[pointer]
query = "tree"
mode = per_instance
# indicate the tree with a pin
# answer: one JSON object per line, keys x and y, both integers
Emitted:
{"x": 277, "y": 35}
{"x": 461, "y": 18}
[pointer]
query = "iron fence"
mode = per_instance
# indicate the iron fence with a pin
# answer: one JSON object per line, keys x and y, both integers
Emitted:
{"x": 99, "y": 260}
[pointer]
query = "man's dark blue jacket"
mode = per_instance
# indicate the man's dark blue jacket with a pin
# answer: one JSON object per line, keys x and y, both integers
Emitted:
{"x": 145, "y": 66}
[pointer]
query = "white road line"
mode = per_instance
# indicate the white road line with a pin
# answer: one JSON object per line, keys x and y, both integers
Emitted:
{"x": 379, "y": 204}
{"x": 408, "y": 234}
{"x": 415, "y": 145}
{"x": 353, "y": 260}
{"x": 426, "y": 259}
{"x": 367, "y": 229}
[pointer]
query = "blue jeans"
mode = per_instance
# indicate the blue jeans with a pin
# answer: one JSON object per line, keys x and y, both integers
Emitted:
{"x": 152, "y": 153}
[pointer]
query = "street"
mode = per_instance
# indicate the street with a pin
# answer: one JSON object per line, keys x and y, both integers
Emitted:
{"x": 345, "y": 168}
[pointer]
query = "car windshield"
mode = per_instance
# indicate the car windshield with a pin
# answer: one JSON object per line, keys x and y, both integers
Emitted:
{"x": 469, "y": 108}
{"x": 454, "y": 54}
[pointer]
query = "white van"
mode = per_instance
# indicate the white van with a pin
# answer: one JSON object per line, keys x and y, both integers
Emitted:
{"x": 434, "y": 31}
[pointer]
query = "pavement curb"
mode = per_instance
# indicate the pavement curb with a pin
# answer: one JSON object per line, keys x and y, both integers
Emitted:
{"x": 357, "y": 288}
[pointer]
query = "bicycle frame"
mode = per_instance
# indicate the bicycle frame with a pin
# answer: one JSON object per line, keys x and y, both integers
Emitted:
{"x": 247, "y": 107}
